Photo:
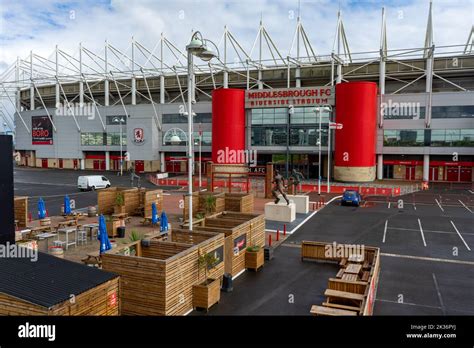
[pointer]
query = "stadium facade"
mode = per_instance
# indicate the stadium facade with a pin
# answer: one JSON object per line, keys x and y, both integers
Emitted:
{"x": 403, "y": 114}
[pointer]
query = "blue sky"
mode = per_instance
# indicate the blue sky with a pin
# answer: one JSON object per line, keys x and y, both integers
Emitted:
{"x": 39, "y": 25}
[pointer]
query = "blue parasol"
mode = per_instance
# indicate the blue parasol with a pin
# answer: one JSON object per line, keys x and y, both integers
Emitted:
{"x": 154, "y": 214}
{"x": 164, "y": 222}
{"x": 41, "y": 209}
{"x": 67, "y": 205}
{"x": 102, "y": 236}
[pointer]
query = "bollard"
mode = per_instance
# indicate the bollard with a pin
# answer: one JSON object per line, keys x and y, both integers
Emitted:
{"x": 47, "y": 214}
{"x": 29, "y": 217}
{"x": 278, "y": 235}
{"x": 269, "y": 240}
{"x": 284, "y": 230}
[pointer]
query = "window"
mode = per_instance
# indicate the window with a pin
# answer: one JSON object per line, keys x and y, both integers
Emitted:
{"x": 404, "y": 137}
{"x": 269, "y": 116}
{"x": 309, "y": 115}
{"x": 307, "y": 136}
{"x": 452, "y": 137}
{"x": 206, "y": 138}
{"x": 269, "y": 136}
{"x": 205, "y": 117}
{"x": 113, "y": 139}
{"x": 93, "y": 139}
{"x": 453, "y": 111}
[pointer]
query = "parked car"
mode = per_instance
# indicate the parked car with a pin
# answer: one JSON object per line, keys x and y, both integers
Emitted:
{"x": 351, "y": 197}
{"x": 92, "y": 182}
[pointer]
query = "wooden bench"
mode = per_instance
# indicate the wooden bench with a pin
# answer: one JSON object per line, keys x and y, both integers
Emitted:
{"x": 340, "y": 306}
{"x": 329, "y": 293}
{"x": 343, "y": 263}
{"x": 365, "y": 276}
{"x": 340, "y": 273}
{"x": 326, "y": 311}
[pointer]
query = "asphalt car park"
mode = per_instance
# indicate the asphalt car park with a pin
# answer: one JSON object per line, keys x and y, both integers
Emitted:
{"x": 427, "y": 262}
{"x": 427, "y": 256}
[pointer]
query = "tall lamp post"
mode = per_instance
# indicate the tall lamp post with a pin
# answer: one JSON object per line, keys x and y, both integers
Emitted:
{"x": 318, "y": 111}
{"x": 196, "y": 47}
{"x": 120, "y": 120}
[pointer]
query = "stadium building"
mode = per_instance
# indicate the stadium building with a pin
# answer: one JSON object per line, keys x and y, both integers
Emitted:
{"x": 404, "y": 114}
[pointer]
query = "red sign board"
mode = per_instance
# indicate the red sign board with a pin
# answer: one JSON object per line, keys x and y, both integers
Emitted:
{"x": 41, "y": 130}
{"x": 284, "y": 97}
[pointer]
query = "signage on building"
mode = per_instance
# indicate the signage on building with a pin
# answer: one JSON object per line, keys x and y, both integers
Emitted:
{"x": 138, "y": 136}
{"x": 41, "y": 130}
{"x": 333, "y": 125}
{"x": 257, "y": 170}
{"x": 284, "y": 97}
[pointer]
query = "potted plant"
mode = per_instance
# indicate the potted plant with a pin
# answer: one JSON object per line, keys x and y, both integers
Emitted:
{"x": 208, "y": 292}
{"x": 119, "y": 207}
{"x": 254, "y": 257}
{"x": 209, "y": 204}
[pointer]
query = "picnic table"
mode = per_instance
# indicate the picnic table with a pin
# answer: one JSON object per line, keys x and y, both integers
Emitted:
{"x": 356, "y": 258}
{"x": 349, "y": 277}
{"x": 36, "y": 230}
{"x": 353, "y": 268}
{"x": 121, "y": 216}
{"x": 67, "y": 223}
{"x": 93, "y": 259}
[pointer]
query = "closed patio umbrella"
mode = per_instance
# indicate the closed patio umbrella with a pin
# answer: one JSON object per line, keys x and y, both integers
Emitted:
{"x": 164, "y": 222}
{"x": 154, "y": 214}
{"x": 41, "y": 209}
{"x": 102, "y": 236}
{"x": 67, "y": 205}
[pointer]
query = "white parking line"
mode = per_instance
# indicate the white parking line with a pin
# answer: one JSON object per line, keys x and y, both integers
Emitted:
{"x": 472, "y": 192}
{"x": 439, "y": 205}
{"x": 385, "y": 231}
{"x": 421, "y": 230}
{"x": 459, "y": 234}
{"x": 388, "y": 205}
{"x": 465, "y": 206}
{"x": 439, "y": 294}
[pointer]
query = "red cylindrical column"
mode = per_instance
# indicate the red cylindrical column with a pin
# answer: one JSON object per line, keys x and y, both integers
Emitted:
{"x": 228, "y": 125}
{"x": 356, "y": 109}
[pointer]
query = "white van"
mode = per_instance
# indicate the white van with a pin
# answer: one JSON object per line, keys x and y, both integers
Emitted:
{"x": 92, "y": 182}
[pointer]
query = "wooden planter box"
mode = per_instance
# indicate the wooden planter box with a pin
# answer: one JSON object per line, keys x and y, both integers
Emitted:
{"x": 239, "y": 202}
{"x": 254, "y": 259}
{"x": 112, "y": 227}
{"x": 206, "y": 294}
{"x": 21, "y": 211}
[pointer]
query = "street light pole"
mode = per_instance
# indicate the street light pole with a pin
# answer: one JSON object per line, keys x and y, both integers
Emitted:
{"x": 319, "y": 160}
{"x": 196, "y": 47}
{"x": 121, "y": 148}
{"x": 200, "y": 159}
{"x": 190, "y": 138}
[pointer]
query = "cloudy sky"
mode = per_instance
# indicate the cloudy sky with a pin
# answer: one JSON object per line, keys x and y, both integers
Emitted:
{"x": 39, "y": 25}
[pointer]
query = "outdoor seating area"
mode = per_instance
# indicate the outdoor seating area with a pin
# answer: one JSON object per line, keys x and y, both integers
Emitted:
{"x": 353, "y": 289}
{"x": 160, "y": 274}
